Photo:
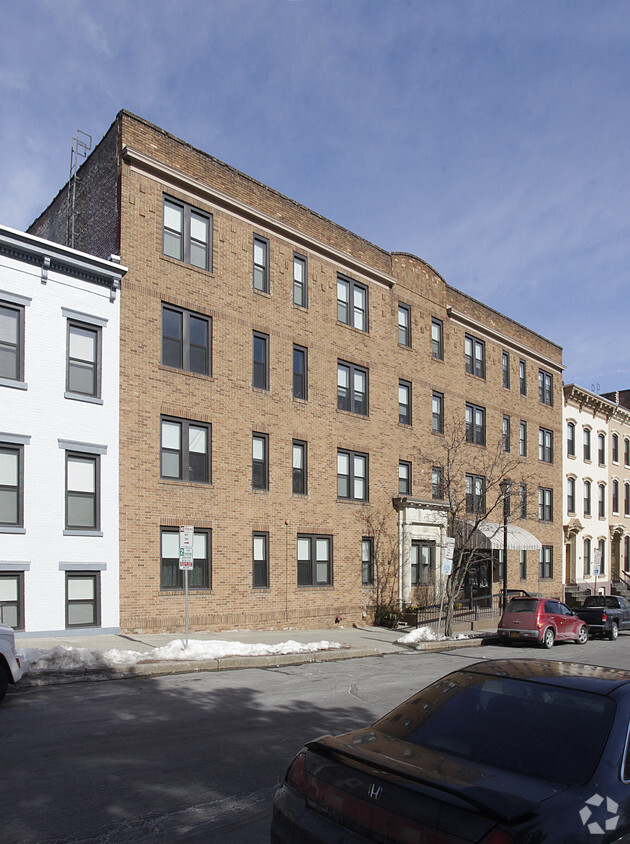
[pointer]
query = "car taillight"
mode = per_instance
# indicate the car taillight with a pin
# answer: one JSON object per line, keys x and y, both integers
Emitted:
{"x": 296, "y": 775}
{"x": 604, "y": 617}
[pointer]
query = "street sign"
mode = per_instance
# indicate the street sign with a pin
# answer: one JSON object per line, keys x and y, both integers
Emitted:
{"x": 186, "y": 535}
{"x": 447, "y": 555}
{"x": 597, "y": 563}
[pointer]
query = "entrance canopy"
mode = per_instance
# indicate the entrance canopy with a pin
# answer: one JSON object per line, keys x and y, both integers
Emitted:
{"x": 490, "y": 535}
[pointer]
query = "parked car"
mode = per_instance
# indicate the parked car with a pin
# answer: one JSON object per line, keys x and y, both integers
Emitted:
{"x": 541, "y": 620}
{"x": 501, "y": 752}
{"x": 605, "y": 615}
{"x": 10, "y": 668}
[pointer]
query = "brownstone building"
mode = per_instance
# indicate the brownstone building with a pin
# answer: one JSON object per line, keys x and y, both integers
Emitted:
{"x": 283, "y": 383}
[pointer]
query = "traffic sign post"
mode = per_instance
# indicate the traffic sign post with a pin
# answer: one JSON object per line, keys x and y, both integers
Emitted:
{"x": 186, "y": 560}
{"x": 597, "y": 567}
{"x": 448, "y": 550}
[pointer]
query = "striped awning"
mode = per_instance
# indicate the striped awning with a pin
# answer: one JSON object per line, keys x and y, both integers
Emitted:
{"x": 490, "y": 535}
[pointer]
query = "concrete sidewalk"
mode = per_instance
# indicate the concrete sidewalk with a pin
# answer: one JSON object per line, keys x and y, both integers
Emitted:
{"x": 355, "y": 642}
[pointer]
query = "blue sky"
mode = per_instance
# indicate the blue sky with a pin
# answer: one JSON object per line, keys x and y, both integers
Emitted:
{"x": 489, "y": 137}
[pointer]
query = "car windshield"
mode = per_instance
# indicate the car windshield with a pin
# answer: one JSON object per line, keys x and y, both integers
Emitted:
{"x": 522, "y": 605}
{"x": 542, "y": 731}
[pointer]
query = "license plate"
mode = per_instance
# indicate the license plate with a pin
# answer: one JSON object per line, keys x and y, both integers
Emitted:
{"x": 515, "y": 633}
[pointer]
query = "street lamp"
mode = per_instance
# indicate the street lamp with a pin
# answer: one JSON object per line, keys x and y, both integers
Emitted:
{"x": 505, "y": 491}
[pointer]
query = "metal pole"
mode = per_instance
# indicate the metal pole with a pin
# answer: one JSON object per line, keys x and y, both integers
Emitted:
{"x": 186, "y": 591}
{"x": 505, "y": 488}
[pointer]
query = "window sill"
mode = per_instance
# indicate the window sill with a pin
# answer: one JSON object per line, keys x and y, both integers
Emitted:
{"x": 181, "y": 482}
{"x": 354, "y": 415}
{"x": 352, "y": 327}
{"x": 9, "y": 529}
{"x": 184, "y": 264}
{"x": 83, "y": 533}
{"x": 176, "y": 591}
{"x": 81, "y": 397}
{"x": 202, "y": 375}
{"x": 16, "y": 385}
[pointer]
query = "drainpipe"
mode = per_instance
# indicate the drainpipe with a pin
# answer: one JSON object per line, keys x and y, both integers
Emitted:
{"x": 400, "y": 557}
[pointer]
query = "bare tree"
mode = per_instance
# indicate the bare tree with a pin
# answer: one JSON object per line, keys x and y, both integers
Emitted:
{"x": 471, "y": 478}
{"x": 380, "y": 525}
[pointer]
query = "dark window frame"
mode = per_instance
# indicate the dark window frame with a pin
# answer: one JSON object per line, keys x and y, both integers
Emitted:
{"x": 17, "y": 489}
{"x": 202, "y": 567}
{"x": 187, "y": 241}
{"x": 82, "y": 495}
{"x": 545, "y": 504}
{"x": 351, "y": 478}
{"x": 506, "y": 439}
{"x": 260, "y": 272}
{"x": 260, "y": 467}
{"x": 437, "y": 343}
{"x": 437, "y": 483}
{"x": 601, "y": 501}
{"x": 300, "y": 287}
{"x": 184, "y": 346}
{"x": 571, "y": 495}
{"x": 260, "y": 565}
{"x": 299, "y": 476}
{"x": 346, "y": 311}
{"x": 422, "y": 577}
{"x": 475, "y": 433}
{"x": 522, "y": 438}
{"x": 404, "y": 408}
{"x": 307, "y": 567}
{"x": 614, "y": 445}
{"x": 260, "y": 366}
{"x": 570, "y": 439}
{"x": 522, "y": 376}
{"x": 404, "y": 482}
{"x": 300, "y": 379}
{"x": 505, "y": 370}
{"x": 475, "y": 364}
{"x": 586, "y": 439}
{"x": 437, "y": 418}
{"x": 545, "y": 445}
{"x": 18, "y": 605}
{"x": 545, "y": 387}
{"x": 475, "y": 501}
{"x": 404, "y": 328}
{"x": 349, "y": 399}
{"x": 588, "y": 502}
{"x": 95, "y": 602}
{"x": 545, "y": 565}
{"x": 82, "y": 363}
{"x": 601, "y": 449}
{"x": 367, "y": 560}
{"x": 184, "y": 450}
{"x": 15, "y": 350}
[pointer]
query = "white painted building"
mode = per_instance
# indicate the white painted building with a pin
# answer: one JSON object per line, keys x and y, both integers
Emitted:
{"x": 59, "y": 376}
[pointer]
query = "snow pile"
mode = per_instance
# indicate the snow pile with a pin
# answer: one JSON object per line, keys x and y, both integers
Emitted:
{"x": 82, "y": 659}
{"x": 426, "y": 634}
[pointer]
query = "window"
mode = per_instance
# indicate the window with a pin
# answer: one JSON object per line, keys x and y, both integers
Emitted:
{"x": 260, "y": 565}
{"x": 84, "y": 359}
{"x": 404, "y": 324}
{"x": 545, "y": 504}
{"x": 187, "y": 234}
{"x": 506, "y": 433}
{"x": 314, "y": 560}
{"x": 437, "y": 339}
{"x": 545, "y": 387}
{"x": 626, "y": 451}
{"x": 545, "y": 445}
{"x": 404, "y": 402}
{"x": 260, "y": 366}
{"x": 615, "y": 448}
{"x": 200, "y": 576}
{"x": 475, "y": 424}
{"x": 185, "y": 450}
{"x": 261, "y": 264}
{"x": 12, "y": 599}
{"x": 299, "y": 467}
{"x": 587, "y": 498}
{"x": 546, "y": 562}
{"x": 601, "y": 547}
{"x": 587, "y": 557}
{"x": 570, "y": 439}
{"x": 352, "y": 303}
{"x": 571, "y": 495}
{"x": 475, "y": 494}
{"x": 11, "y": 341}
{"x": 522, "y": 439}
{"x": 587, "y": 444}
{"x": 522, "y": 376}
{"x": 352, "y": 478}
{"x": 615, "y": 496}
{"x": 83, "y": 599}
{"x": 404, "y": 478}
{"x": 422, "y": 562}
{"x": 260, "y": 461}
{"x": 626, "y": 499}
{"x": 601, "y": 449}
{"x": 300, "y": 281}
{"x": 475, "y": 356}
{"x": 437, "y": 409}
{"x": 11, "y": 486}
{"x": 367, "y": 560}
{"x": 522, "y": 500}
{"x": 300, "y": 384}
{"x": 522, "y": 569}
{"x": 437, "y": 483}
{"x": 185, "y": 340}
{"x": 505, "y": 370}
{"x": 352, "y": 388}
{"x": 601, "y": 501}
{"x": 82, "y": 491}
{"x": 626, "y": 553}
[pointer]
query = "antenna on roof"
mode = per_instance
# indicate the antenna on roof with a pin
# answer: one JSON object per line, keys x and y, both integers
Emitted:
{"x": 81, "y": 145}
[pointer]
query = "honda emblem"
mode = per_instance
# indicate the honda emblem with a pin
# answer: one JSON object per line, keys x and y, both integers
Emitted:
{"x": 375, "y": 791}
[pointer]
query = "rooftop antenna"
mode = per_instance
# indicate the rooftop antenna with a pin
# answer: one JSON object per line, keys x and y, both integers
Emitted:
{"x": 81, "y": 145}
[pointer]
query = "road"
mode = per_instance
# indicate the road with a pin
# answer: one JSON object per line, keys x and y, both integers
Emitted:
{"x": 195, "y": 758}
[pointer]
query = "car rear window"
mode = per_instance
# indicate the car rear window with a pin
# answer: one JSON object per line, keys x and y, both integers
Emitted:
{"x": 518, "y": 726}
{"x": 522, "y": 605}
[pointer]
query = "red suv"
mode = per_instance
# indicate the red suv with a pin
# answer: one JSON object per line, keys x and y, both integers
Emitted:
{"x": 543, "y": 620}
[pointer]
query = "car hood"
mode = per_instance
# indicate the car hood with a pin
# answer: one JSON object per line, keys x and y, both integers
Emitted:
{"x": 502, "y": 794}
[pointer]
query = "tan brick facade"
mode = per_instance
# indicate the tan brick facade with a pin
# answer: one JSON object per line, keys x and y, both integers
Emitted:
{"x": 152, "y": 164}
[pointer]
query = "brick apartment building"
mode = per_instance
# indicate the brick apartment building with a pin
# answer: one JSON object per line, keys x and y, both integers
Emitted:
{"x": 285, "y": 389}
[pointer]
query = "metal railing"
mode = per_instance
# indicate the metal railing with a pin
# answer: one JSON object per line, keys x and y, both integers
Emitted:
{"x": 466, "y": 610}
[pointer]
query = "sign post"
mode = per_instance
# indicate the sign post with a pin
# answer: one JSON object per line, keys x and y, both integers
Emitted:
{"x": 597, "y": 567}
{"x": 447, "y": 568}
{"x": 186, "y": 560}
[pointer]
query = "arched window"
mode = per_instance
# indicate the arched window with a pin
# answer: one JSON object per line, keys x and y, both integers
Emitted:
{"x": 570, "y": 439}
{"x": 587, "y": 557}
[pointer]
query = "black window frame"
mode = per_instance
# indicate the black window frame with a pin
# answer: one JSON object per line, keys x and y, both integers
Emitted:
{"x": 626, "y": 451}
{"x": 350, "y": 400}
{"x": 17, "y": 489}
{"x": 545, "y": 562}
{"x": 299, "y": 474}
{"x": 437, "y": 343}
{"x": 505, "y": 370}
{"x": 522, "y": 376}
{"x": 300, "y": 378}
{"x": 260, "y": 565}
{"x": 404, "y": 328}
{"x": 614, "y": 445}
{"x": 587, "y": 444}
{"x": 404, "y": 408}
{"x": 601, "y": 500}
{"x": 475, "y": 433}
{"x": 522, "y": 438}
{"x": 437, "y": 483}
{"x": 601, "y": 449}
{"x": 186, "y": 239}
{"x": 588, "y": 498}
{"x": 522, "y": 500}
{"x": 506, "y": 436}
{"x": 404, "y": 480}
{"x": 422, "y": 577}
{"x": 437, "y": 416}
{"x": 615, "y": 496}
{"x": 571, "y": 495}
{"x": 475, "y": 364}
{"x": 95, "y": 578}
{"x": 545, "y": 445}
{"x": 199, "y": 577}
{"x": 260, "y": 366}
{"x": 16, "y": 606}
{"x": 545, "y": 387}
{"x": 367, "y": 560}
{"x": 626, "y": 498}
{"x": 570, "y": 439}
{"x": 300, "y": 286}
{"x": 308, "y": 566}
{"x": 260, "y": 272}
{"x": 260, "y": 467}
{"x": 82, "y": 495}
{"x": 588, "y": 555}
{"x": 475, "y": 501}
{"x": 184, "y": 452}
{"x": 16, "y": 349}
{"x": 82, "y": 364}
{"x": 184, "y": 344}
{"x": 352, "y": 478}
{"x": 346, "y": 312}
{"x": 545, "y": 504}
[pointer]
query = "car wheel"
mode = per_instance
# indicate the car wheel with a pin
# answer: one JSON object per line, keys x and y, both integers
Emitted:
{"x": 548, "y": 638}
{"x": 613, "y": 632}
{"x": 582, "y": 637}
{"x": 4, "y": 683}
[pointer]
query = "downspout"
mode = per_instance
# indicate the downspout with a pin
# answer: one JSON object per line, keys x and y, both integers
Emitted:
{"x": 400, "y": 557}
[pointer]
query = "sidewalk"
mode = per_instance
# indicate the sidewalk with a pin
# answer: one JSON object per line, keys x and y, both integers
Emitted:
{"x": 348, "y": 643}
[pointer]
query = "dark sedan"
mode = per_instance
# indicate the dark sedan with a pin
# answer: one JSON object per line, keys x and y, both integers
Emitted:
{"x": 501, "y": 752}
